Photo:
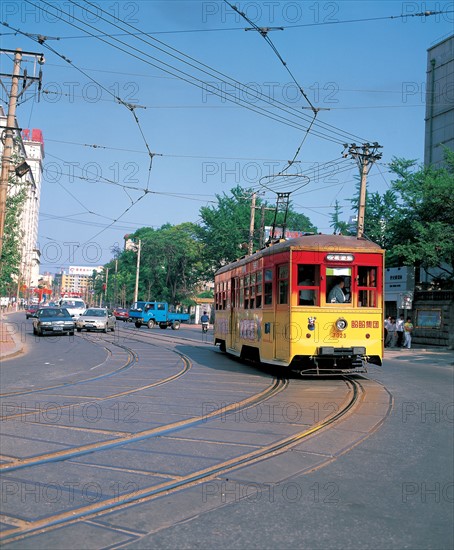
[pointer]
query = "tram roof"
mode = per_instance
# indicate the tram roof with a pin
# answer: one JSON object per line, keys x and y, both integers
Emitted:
{"x": 330, "y": 243}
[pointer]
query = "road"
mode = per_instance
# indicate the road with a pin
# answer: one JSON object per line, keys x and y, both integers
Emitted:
{"x": 153, "y": 439}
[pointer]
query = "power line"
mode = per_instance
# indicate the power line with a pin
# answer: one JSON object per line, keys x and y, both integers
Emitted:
{"x": 193, "y": 80}
{"x": 324, "y": 126}
{"x": 281, "y": 27}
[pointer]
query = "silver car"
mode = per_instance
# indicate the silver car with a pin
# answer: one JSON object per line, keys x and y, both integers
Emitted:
{"x": 96, "y": 318}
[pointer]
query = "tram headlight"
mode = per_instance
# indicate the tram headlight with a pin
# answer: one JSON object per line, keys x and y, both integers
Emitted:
{"x": 341, "y": 324}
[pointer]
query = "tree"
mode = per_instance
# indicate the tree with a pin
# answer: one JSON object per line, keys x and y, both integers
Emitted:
{"x": 423, "y": 231}
{"x": 339, "y": 226}
{"x": 10, "y": 260}
{"x": 171, "y": 265}
{"x": 225, "y": 227}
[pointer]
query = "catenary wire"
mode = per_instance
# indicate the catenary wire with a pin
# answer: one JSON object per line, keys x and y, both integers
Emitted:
{"x": 263, "y": 97}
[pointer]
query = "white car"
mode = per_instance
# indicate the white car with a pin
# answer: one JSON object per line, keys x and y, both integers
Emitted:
{"x": 75, "y": 306}
{"x": 96, "y": 318}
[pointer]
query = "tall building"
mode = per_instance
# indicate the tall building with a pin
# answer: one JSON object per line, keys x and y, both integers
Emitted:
{"x": 439, "y": 102}
{"x": 29, "y": 148}
{"x": 78, "y": 281}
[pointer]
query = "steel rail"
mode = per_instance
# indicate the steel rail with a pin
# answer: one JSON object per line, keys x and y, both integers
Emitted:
{"x": 149, "y": 493}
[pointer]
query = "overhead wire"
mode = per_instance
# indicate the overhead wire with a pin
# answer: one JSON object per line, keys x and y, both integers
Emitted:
{"x": 206, "y": 70}
{"x": 198, "y": 83}
{"x": 322, "y": 124}
{"x": 281, "y": 27}
{"x": 130, "y": 107}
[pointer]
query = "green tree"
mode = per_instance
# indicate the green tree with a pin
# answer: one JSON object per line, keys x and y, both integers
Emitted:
{"x": 225, "y": 226}
{"x": 423, "y": 230}
{"x": 380, "y": 217}
{"x": 337, "y": 224}
{"x": 171, "y": 265}
{"x": 11, "y": 253}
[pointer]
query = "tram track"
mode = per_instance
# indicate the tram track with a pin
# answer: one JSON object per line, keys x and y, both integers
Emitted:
{"x": 276, "y": 387}
{"x": 123, "y": 438}
{"x": 98, "y": 509}
{"x": 133, "y": 357}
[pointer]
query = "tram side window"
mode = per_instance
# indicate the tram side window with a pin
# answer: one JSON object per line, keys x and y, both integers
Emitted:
{"x": 225, "y": 296}
{"x": 233, "y": 291}
{"x": 367, "y": 286}
{"x": 282, "y": 280}
{"x": 268, "y": 295}
{"x": 308, "y": 284}
{"x": 258, "y": 291}
{"x": 247, "y": 291}
{"x": 218, "y": 297}
{"x": 252, "y": 291}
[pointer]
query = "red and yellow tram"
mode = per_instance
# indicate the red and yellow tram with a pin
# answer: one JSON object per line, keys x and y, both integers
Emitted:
{"x": 280, "y": 305}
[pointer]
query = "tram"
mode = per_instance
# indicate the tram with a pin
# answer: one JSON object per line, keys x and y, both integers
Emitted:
{"x": 280, "y": 305}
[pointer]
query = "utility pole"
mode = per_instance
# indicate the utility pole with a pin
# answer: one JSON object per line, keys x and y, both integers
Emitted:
{"x": 251, "y": 225}
{"x": 9, "y": 143}
{"x": 8, "y": 132}
{"x": 105, "y": 290}
{"x": 136, "y": 291}
{"x": 115, "y": 283}
{"x": 365, "y": 157}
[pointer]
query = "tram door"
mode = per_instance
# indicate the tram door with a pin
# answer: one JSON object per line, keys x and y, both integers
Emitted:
{"x": 234, "y": 321}
{"x": 282, "y": 312}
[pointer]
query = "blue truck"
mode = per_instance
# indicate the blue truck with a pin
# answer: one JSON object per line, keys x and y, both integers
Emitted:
{"x": 156, "y": 313}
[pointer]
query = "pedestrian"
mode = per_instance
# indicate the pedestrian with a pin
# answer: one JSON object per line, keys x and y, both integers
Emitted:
{"x": 400, "y": 330}
{"x": 408, "y": 329}
{"x": 336, "y": 294}
{"x": 391, "y": 333}
{"x": 385, "y": 329}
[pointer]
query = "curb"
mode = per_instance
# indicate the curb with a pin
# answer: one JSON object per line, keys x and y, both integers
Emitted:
{"x": 10, "y": 344}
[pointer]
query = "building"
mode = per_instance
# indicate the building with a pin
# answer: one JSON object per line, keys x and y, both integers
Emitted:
{"x": 78, "y": 281}
{"x": 433, "y": 309}
{"x": 439, "y": 102}
{"x": 29, "y": 149}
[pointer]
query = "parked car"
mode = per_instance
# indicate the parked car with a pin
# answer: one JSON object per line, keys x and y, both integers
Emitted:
{"x": 121, "y": 314}
{"x": 96, "y": 318}
{"x": 31, "y": 310}
{"x": 55, "y": 320}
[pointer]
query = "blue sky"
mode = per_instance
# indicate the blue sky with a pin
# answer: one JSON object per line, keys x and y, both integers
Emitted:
{"x": 367, "y": 77}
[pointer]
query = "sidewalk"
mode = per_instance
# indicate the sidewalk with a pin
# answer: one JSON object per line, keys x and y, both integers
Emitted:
{"x": 10, "y": 341}
{"x": 421, "y": 353}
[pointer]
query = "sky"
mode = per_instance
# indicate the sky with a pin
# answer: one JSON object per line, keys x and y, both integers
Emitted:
{"x": 150, "y": 109}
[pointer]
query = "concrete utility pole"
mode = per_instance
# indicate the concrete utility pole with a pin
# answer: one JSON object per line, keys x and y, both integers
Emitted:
{"x": 136, "y": 291}
{"x": 8, "y": 146}
{"x": 115, "y": 283}
{"x": 8, "y": 132}
{"x": 105, "y": 290}
{"x": 365, "y": 156}
{"x": 251, "y": 225}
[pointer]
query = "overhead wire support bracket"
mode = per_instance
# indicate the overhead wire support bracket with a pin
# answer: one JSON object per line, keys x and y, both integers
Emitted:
{"x": 264, "y": 30}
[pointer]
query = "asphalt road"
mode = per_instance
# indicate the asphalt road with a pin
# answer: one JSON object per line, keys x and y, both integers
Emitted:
{"x": 382, "y": 478}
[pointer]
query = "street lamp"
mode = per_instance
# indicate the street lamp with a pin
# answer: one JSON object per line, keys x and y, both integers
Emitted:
{"x": 22, "y": 169}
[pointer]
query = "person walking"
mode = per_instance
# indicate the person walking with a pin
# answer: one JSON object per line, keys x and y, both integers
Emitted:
{"x": 385, "y": 329}
{"x": 391, "y": 333}
{"x": 408, "y": 329}
{"x": 400, "y": 330}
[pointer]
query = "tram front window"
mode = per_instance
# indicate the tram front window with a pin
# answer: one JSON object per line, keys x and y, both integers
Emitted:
{"x": 338, "y": 285}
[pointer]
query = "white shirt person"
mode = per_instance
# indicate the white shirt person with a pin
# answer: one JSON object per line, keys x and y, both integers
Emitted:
{"x": 336, "y": 294}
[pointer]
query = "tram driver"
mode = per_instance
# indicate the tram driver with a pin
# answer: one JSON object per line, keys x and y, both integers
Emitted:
{"x": 336, "y": 294}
